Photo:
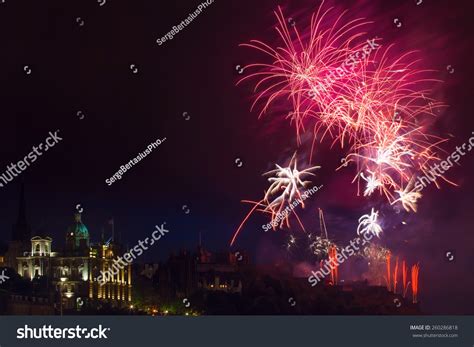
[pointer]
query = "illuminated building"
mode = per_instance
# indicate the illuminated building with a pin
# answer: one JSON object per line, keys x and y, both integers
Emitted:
{"x": 71, "y": 273}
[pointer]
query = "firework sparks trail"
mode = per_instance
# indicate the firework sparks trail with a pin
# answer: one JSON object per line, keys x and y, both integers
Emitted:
{"x": 375, "y": 107}
{"x": 321, "y": 245}
{"x": 395, "y": 276}
{"x": 415, "y": 270}
{"x": 408, "y": 199}
{"x": 286, "y": 186}
{"x": 322, "y": 224}
{"x": 404, "y": 278}
{"x": 368, "y": 224}
{"x": 334, "y": 265}
{"x": 389, "y": 284}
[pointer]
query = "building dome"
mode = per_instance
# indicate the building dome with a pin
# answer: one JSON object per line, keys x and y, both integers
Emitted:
{"x": 78, "y": 229}
{"x": 77, "y": 235}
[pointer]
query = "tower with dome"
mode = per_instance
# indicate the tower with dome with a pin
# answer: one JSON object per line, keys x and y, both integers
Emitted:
{"x": 73, "y": 270}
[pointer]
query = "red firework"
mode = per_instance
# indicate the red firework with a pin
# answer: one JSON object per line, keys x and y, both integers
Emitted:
{"x": 334, "y": 265}
{"x": 395, "y": 276}
{"x": 415, "y": 271}
{"x": 404, "y": 278}
{"x": 387, "y": 260}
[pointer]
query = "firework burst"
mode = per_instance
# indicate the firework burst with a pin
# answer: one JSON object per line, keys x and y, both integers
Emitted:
{"x": 286, "y": 184}
{"x": 285, "y": 192}
{"x": 302, "y": 66}
{"x": 319, "y": 246}
{"x": 374, "y": 108}
{"x": 368, "y": 224}
{"x": 375, "y": 253}
{"x": 408, "y": 199}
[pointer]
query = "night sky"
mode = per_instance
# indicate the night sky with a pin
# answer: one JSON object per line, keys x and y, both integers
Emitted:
{"x": 86, "y": 68}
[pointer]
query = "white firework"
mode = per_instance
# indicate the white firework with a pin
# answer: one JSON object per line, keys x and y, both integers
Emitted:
{"x": 285, "y": 186}
{"x": 368, "y": 224}
{"x": 408, "y": 199}
{"x": 320, "y": 246}
{"x": 287, "y": 182}
{"x": 375, "y": 253}
{"x": 291, "y": 242}
{"x": 372, "y": 183}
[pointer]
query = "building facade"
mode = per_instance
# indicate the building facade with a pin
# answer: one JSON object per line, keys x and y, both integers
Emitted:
{"x": 71, "y": 272}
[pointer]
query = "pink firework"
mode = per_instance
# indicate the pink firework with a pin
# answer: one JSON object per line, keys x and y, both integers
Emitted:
{"x": 369, "y": 100}
{"x": 302, "y": 68}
